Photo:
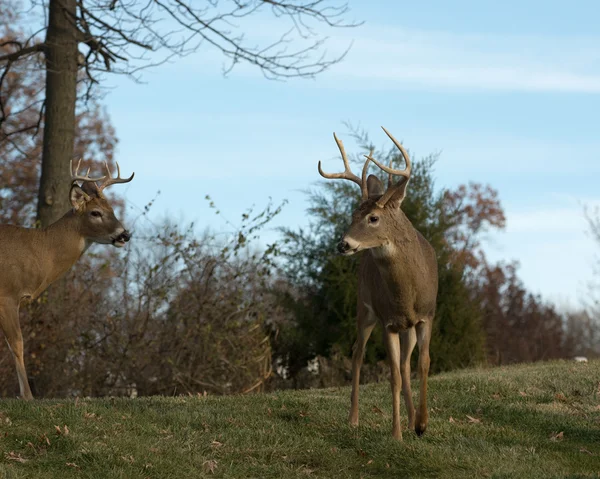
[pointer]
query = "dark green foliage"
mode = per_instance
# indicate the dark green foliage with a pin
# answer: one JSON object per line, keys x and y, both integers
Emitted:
{"x": 457, "y": 340}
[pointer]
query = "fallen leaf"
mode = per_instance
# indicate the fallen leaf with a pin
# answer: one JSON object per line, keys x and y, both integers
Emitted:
{"x": 63, "y": 432}
{"x": 451, "y": 419}
{"x": 560, "y": 397}
{"x": 523, "y": 393}
{"x": 216, "y": 443}
{"x": 370, "y": 461}
{"x": 584, "y": 450}
{"x": 496, "y": 396}
{"x": 13, "y": 456}
{"x": 210, "y": 466}
{"x": 72, "y": 464}
{"x": 377, "y": 410}
{"x": 473, "y": 420}
{"x": 557, "y": 437}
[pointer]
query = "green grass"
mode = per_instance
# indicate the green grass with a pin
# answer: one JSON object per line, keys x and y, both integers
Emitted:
{"x": 517, "y": 412}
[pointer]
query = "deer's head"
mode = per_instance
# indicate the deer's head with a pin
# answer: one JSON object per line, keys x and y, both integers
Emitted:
{"x": 97, "y": 220}
{"x": 377, "y": 220}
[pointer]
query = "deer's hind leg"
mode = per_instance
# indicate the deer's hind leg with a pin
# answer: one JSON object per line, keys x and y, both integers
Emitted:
{"x": 9, "y": 321}
{"x": 366, "y": 321}
{"x": 423, "y": 338}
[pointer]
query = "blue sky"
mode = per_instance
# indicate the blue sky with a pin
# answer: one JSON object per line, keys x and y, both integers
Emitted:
{"x": 508, "y": 92}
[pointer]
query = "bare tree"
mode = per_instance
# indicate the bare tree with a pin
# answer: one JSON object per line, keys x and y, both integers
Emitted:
{"x": 124, "y": 36}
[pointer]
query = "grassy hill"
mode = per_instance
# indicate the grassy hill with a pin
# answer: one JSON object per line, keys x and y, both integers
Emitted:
{"x": 530, "y": 421}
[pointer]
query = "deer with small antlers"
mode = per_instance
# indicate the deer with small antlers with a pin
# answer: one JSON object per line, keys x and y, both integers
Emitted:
{"x": 397, "y": 284}
{"x": 32, "y": 259}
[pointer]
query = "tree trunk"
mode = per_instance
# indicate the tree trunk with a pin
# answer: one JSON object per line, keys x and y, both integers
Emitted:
{"x": 59, "y": 125}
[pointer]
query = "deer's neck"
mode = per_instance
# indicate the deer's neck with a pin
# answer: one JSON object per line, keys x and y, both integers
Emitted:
{"x": 400, "y": 256}
{"x": 64, "y": 244}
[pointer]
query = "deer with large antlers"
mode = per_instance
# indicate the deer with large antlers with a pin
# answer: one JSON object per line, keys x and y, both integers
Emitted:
{"x": 397, "y": 284}
{"x": 32, "y": 259}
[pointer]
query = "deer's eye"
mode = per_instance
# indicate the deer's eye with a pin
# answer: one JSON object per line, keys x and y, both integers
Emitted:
{"x": 96, "y": 214}
{"x": 373, "y": 219}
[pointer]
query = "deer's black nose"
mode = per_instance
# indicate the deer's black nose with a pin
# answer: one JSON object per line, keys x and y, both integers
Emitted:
{"x": 343, "y": 246}
{"x": 124, "y": 236}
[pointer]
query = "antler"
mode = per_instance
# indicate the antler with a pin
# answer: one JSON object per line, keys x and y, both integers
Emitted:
{"x": 405, "y": 172}
{"x": 111, "y": 181}
{"x": 76, "y": 177}
{"x": 347, "y": 173}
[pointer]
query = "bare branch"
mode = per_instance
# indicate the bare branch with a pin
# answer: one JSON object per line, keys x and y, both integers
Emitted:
{"x": 23, "y": 52}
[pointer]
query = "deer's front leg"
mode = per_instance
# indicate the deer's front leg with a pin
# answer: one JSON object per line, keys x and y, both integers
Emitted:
{"x": 9, "y": 320}
{"x": 392, "y": 345}
{"x": 365, "y": 325}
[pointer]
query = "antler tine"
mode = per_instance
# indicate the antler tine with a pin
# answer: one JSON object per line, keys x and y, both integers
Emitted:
{"x": 347, "y": 173}
{"x": 112, "y": 181}
{"x": 365, "y": 191}
{"x": 76, "y": 177}
{"x": 404, "y": 154}
{"x": 388, "y": 169}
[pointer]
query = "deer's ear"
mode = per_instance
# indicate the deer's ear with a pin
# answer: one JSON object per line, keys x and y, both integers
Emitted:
{"x": 78, "y": 197}
{"x": 374, "y": 186}
{"x": 399, "y": 194}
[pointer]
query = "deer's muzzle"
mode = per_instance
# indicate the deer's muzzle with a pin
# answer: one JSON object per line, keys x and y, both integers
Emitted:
{"x": 123, "y": 238}
{"x": 343, "y": 247}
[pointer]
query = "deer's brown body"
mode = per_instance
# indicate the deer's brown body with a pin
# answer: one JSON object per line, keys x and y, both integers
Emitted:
{"x": 32, "y": 259}
{"x": 397, "y": 286}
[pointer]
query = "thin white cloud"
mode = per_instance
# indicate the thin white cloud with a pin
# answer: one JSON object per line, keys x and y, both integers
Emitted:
{"x": 543, "y": 221}
{"x": 399, "y": 58}
{"x": 395, "y": 58}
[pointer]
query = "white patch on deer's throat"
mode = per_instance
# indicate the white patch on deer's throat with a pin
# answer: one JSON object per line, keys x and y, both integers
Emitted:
{"x": 84, "y": 244}
{"x": 384, "y": 251}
